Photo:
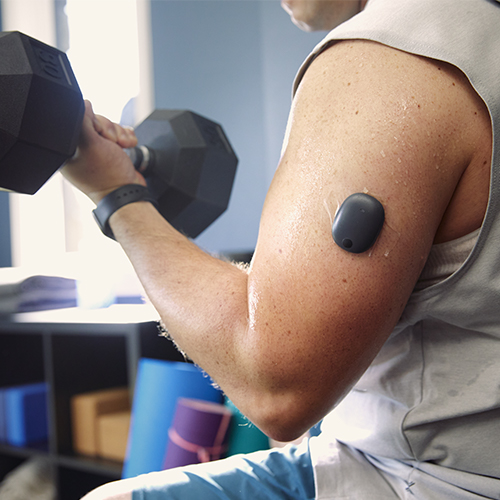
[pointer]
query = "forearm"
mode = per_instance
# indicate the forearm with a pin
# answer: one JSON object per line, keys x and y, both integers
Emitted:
{"x": 202, "y": 300}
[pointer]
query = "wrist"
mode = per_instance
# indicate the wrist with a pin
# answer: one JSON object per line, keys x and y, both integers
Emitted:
{"x": 116, "y": 199}
{"x": 97, "y": 196}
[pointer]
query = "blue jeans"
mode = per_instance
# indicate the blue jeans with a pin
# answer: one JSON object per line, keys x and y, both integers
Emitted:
{"x": 284, "y": 474}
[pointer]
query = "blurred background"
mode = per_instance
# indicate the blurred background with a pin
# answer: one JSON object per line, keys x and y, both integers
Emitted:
{"x": 231, "y": 60}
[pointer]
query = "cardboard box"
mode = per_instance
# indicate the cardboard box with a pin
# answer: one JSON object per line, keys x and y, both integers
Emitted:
{"x": 113, "y": 434}
{"x": 87, "y": 408}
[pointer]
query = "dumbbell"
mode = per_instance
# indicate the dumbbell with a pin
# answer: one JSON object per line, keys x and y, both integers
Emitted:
{"x": 186, "y": 159}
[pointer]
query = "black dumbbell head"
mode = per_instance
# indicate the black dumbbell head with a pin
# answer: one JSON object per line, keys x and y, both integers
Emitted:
{"x": 194, "y": 168}
{"x": 41, "y": 112}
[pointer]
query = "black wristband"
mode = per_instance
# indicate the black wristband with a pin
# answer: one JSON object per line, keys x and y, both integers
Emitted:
{"x": 118, "y": 198}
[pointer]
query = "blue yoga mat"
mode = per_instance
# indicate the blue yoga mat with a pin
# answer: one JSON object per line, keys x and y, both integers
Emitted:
{"x": 158, "y": 386}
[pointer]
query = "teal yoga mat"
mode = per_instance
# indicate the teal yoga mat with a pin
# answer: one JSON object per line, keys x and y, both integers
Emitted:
{"x": 244, "y": 437}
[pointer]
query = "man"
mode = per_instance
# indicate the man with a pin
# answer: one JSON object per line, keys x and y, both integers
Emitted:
{"x": 397, "y": 103}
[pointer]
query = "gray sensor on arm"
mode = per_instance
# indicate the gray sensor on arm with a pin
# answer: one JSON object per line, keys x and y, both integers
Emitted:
{"x": 358, "y": 223}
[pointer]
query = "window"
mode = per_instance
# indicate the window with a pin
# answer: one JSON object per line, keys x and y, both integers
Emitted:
{"x": 54, "y": 228}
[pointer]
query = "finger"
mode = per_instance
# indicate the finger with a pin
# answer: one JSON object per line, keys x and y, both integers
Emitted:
{"x": 126, "y": 136}
{"x": 108, "y": 129}
{"x": 123, "y": 136}
{"x": 89, "y": 111}
{"x": 90, "y": 126}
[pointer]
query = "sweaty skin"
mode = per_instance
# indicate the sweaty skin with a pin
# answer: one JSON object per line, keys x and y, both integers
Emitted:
{"x": 288, "y": 337}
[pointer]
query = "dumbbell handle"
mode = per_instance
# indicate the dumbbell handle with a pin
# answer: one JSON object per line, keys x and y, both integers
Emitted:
{"x": 143, "y": 158}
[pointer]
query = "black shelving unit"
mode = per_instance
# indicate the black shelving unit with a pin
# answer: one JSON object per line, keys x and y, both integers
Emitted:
{"x": 75, "y": 351}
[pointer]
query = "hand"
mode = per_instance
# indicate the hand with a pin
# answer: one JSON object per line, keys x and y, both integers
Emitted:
{"x": 100, "y": 165}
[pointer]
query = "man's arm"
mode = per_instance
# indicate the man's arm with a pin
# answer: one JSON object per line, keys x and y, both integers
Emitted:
{"x": 289, "y": 337}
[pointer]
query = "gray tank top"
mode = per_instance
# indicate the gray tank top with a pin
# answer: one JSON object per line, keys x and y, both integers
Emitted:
{"x": 431, "y": 398}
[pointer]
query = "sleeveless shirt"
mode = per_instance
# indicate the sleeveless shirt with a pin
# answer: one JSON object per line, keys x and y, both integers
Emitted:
{"x": 427, "y": 410}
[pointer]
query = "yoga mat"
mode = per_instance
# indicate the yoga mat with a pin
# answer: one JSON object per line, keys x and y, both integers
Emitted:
{"x": 159, "y": 385}
{"x": 244, "y": 437}
{"x": 198, "y": 434}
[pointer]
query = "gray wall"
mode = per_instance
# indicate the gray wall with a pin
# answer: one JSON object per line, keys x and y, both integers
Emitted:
{"x": 233, "y": 61}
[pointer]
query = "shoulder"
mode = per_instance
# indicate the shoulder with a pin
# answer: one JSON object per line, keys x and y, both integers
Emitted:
{"x": 415, "y": 117}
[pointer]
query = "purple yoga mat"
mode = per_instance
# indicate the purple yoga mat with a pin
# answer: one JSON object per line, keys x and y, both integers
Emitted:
{"x": 199, "y": 433}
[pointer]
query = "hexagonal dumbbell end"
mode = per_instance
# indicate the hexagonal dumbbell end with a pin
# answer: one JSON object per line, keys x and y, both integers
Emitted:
{"x": 189, "y": 166}
{"x": 41, "y": 112}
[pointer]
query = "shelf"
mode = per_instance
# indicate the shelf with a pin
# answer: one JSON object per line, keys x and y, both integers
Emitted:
{"x": 93, "y": 465}
{"x": 113, "y": 316}
{"x": 39, "y": 449}
{"x": 75, "y": 351}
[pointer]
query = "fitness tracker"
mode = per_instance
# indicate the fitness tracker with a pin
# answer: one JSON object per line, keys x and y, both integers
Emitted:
{"x": 117, "y": 199}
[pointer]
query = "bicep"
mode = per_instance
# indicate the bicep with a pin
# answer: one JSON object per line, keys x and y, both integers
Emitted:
{"x": 366, "y": 119}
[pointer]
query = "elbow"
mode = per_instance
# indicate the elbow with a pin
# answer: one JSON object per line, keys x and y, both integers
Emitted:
{"x": 287, "y": 396}
{"x": 282, "y": 394}
{"x": 282, "y": 425}
{"x": 285, "y": 408}
{"x": 284, "y": 417}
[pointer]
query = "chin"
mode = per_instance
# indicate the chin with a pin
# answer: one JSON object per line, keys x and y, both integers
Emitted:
{"x": 319, "y": 15}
